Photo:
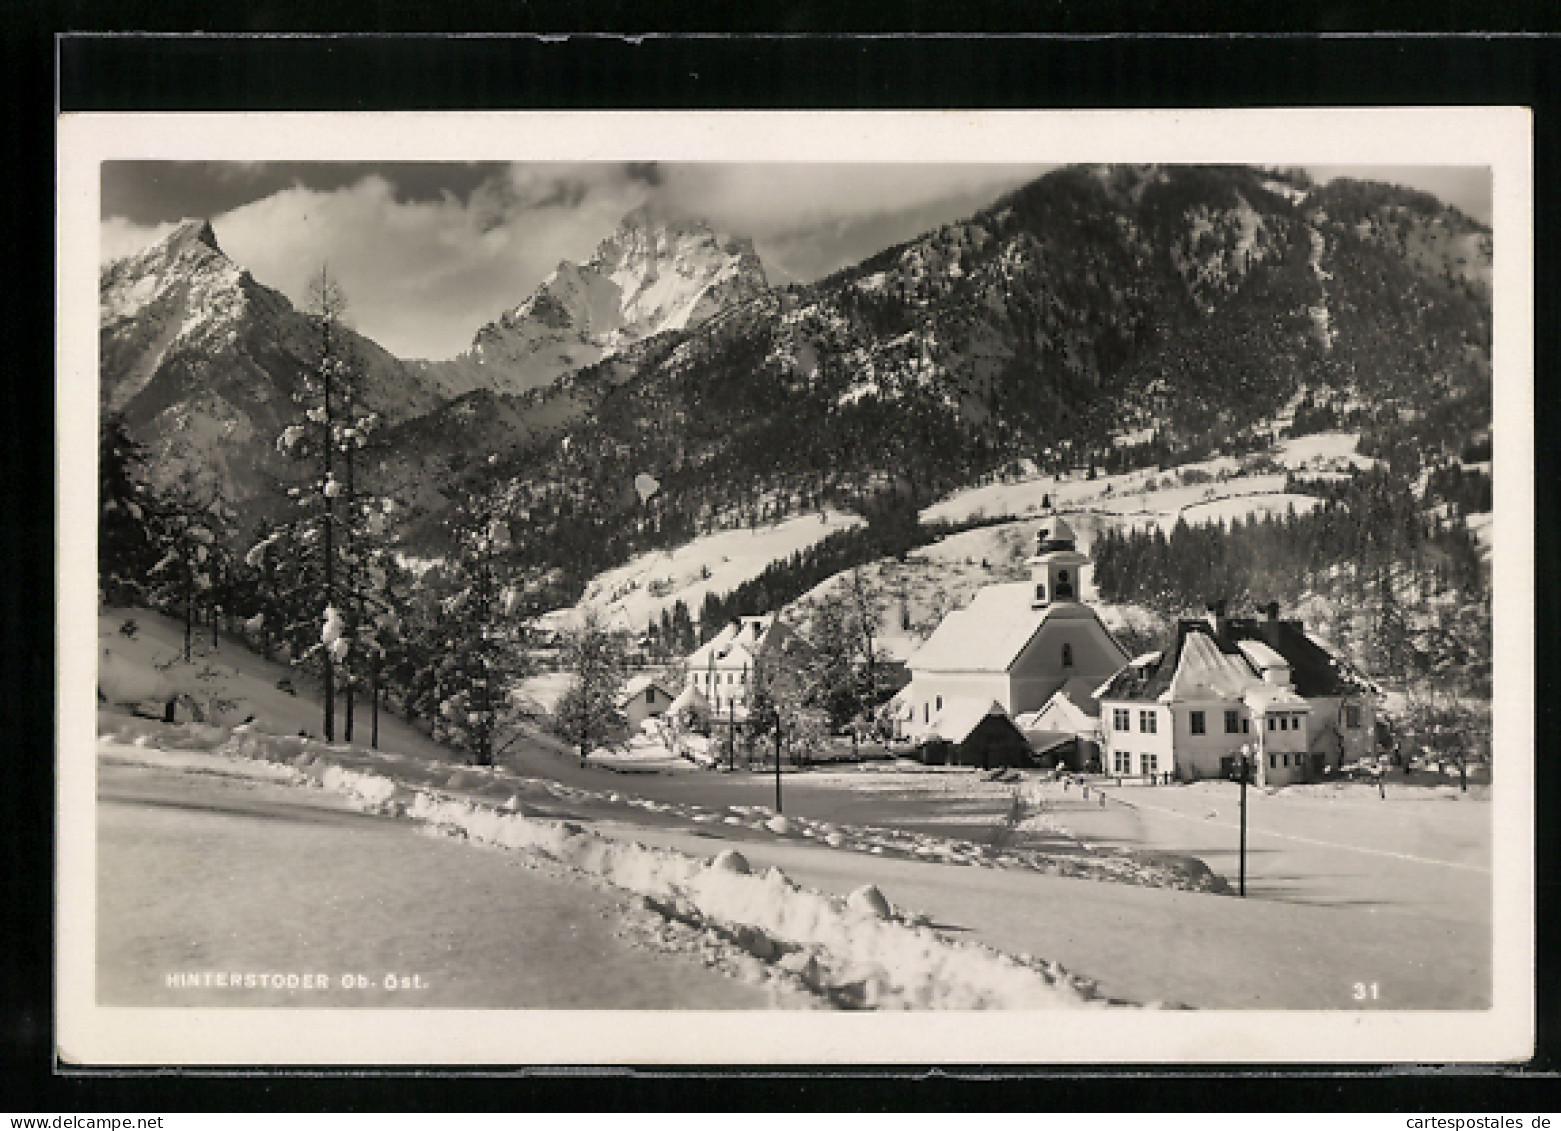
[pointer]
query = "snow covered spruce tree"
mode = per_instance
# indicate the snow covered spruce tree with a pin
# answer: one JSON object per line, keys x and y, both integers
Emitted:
{"x": 324, "y": 604}
{"x": 588, "y": 714}
{"x": 475, "y": 646}
{"x": 126, "y": 505}
{"x": 193, "y": 530}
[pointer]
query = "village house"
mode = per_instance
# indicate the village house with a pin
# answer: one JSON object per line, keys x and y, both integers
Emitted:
{"x": 1231, "y": 684}
{"x": 1015, "y": 646}
{"x": 721, "y": 670}
{"x": 643, "y": 698}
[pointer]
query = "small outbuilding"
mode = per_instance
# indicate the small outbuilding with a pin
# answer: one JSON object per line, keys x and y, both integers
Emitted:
{"x": 969, "y": 733}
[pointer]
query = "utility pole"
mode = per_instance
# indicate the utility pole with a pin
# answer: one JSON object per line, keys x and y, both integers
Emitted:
{"x": 1246, "y": 763}
{"x": 777, "y": 762}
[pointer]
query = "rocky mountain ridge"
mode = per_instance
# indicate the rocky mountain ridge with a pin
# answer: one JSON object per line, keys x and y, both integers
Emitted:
{"x": 655, "y": 273}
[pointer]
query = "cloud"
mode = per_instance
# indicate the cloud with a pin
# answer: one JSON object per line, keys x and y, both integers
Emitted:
{"x": 118, "y": 237}
{"x": 423, "y": 269}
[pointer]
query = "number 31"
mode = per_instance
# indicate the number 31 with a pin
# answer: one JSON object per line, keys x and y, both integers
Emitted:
{"x": 1365, "y": 991}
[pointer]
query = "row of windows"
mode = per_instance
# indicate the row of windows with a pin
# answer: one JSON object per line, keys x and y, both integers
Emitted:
{"x": 1121, "y": 718}
{"x": 1197, "y": 721}
{"x": 710, "y": 678}
{"x": 1122, "y": 762}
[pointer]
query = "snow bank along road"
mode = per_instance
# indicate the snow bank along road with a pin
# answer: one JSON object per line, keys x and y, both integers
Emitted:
{"x": 224, "y": 877}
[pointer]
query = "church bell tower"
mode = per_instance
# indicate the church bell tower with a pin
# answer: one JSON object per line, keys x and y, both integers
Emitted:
{"x": 1057, "y": 569}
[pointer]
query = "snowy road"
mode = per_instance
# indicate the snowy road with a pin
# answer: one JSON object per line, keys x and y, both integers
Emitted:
{"x": 201, "y": 872}
{"x": 1422, "y": 853}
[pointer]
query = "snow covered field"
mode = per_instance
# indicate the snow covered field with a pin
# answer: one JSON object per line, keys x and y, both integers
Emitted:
{"x": 1401, "y": 887}
{"x": 634, "y": 594}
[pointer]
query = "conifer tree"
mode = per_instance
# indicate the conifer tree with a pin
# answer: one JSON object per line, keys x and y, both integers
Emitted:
{"x": 126, "y": 506}
{"x": 588, "y": 713}
{"x": 479, "y": 654}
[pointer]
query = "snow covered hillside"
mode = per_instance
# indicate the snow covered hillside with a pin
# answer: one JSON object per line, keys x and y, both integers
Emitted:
{"x": 633, "y": 595}
{"x": 1206, "y": 491}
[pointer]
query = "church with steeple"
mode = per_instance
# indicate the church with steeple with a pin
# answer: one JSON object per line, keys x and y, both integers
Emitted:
{"x": 1012, "y": 649}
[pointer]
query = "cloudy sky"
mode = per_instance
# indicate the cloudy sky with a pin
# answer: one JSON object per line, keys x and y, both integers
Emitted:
{"x": 428, "y": 252}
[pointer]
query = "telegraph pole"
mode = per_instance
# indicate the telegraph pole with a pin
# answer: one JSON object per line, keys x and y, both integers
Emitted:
{"x": 1246, "y": 763}
{"x": 777, "y": 762}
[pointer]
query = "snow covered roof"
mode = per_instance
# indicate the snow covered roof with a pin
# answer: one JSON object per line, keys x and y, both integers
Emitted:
{"x": 689, "y": 699}
{"x": 1264, "y": 697}
{"x": 1262, "y": 656}
{"x": 1206, "y": 670}
{"x": 740, "y": 643}
{"x": 637, "y": 686}
{"x": 1043, "y": 740}
{"x": 1316, "y": 671}
{"x": 990, "y": 633}
{"x": 961, "y": 716}
{"x": 1080, "y": 692}
{"x": 1203, "y": 665}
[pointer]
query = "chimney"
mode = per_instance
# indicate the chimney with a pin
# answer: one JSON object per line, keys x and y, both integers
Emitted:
{"x": 1218, "y": 620}
{"x": 1271, "y": 625}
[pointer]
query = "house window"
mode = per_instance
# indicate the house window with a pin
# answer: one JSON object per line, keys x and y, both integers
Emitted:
{"x": 1273, "y": 761}
{"x": 1149, "y": 763}
{"x": 1067, "y": 655}
{"x": 926, "y": 712}
{"x": 1121, "y": 719}
{"x": 940, "y": 702}
{"x": 1146, "y": 722}
{"x": 1246, "y": 726}
{"x": 1121, "y": 760}
{"x": 1195, "y": 721}
{"x": 1352, "y": 716}
{"x": 1040, "y": 592}
{"x": 1273, "y": 723}
{"x": 1285, "y": 759}
{"x": 1232, "y": 722}
{"x": 650, "y": 696}
{"x": 1064, "y": 585}
{"x": 1284, "y": 722}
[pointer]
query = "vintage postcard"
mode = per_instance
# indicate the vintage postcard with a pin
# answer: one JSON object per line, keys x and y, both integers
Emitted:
{"x": 796, "y": 588}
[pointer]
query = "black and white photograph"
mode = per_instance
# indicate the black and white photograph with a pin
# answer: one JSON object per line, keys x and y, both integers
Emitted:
{"x": 591, "y": 588}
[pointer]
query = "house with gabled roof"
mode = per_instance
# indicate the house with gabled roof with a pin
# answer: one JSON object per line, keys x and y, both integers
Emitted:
{"x": 1228, "y": 685}
{"x": 722, "y": 668}
{"x": 1015, "y": 645}
{"x": 643, "y": 697}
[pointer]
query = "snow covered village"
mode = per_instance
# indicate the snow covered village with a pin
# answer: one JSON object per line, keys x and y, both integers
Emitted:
{"x": 534, "y": 587}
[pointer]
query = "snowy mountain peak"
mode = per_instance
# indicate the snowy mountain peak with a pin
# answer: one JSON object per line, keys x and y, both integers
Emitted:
{"x": 197, "y": 231}
{"x": 656, "y": 272}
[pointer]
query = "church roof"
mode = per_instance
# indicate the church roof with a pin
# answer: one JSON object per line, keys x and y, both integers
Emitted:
{"x": 1056, "y": 530}
{"x": 990, "y": 633}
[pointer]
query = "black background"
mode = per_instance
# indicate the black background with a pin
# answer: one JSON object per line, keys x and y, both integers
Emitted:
{"x": 1322, "y": 56}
